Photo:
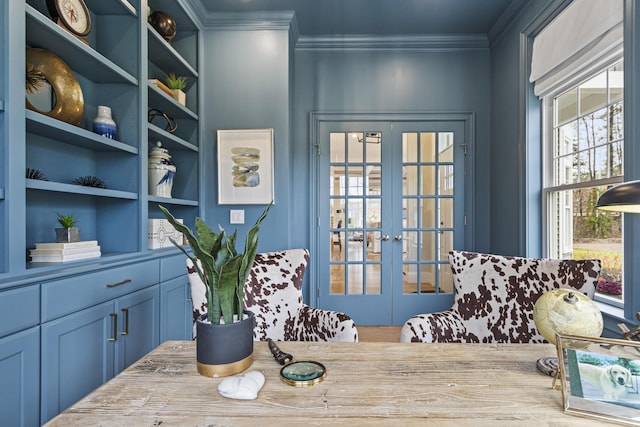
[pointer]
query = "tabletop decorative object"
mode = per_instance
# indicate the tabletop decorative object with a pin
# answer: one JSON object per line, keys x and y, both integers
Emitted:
{"x": 243, "y": 386}
{"x": 568, "y": 312}
{"x": 302, "y": 373}
{"x": 600, "y": 377}
{"x": 224, "y": 343}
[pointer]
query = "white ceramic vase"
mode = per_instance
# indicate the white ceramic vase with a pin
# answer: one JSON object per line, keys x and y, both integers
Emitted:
{"x": 103, "y": 124}
{"x": 161, "y": 172}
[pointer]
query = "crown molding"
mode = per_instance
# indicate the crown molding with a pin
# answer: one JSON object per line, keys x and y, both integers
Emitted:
{"x": 195, "y": 10}
{"x": 506, "y": 19}
{"x": 430, "y": 42}
{"x": 250, "y": 21}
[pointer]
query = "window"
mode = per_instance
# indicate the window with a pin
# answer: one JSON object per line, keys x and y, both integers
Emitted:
{"x": 583, "y": 157}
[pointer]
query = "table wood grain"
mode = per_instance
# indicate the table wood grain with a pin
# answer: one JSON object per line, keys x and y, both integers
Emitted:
{"x": 369, "y": 383}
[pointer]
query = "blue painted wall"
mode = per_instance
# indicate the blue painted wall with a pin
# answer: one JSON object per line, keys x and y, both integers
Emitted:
{"x": 246, "y": 85}
{"x": 252, "y": 84}
{"x": 249, "y": 88}
{"x": 394, "y": 81}
{"x": 515, "y": 148}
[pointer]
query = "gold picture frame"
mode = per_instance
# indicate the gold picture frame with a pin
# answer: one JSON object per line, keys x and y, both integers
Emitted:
{"x": 599, "y": 377}
{"x": 245, "y": 166}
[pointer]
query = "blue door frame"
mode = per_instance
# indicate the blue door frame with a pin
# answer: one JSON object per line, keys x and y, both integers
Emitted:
{"x": 390, "y": 305}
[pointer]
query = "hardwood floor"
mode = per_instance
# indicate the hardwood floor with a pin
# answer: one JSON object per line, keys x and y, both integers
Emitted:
{"x": 379, "y": 333}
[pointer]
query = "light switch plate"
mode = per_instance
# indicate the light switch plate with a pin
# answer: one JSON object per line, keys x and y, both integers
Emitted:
{"x": 236, "y": 216}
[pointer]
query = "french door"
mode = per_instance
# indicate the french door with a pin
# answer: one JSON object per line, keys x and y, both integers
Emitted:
{"x": 391, "y": 207}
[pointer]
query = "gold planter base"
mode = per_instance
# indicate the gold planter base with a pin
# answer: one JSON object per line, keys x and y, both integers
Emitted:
{"x": 226, "y": 369}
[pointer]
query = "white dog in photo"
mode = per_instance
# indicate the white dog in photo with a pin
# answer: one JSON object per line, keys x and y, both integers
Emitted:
{"x": 613, "y": 380}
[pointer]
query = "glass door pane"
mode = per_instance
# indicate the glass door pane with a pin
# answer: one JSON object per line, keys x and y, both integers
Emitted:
{"x": 355, "y": 202}
{"x": 427, "y": 217}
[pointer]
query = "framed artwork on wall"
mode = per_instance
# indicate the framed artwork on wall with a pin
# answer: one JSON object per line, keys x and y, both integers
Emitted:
{"x": 245, "y": 166}
{"x": 600, "y": 377}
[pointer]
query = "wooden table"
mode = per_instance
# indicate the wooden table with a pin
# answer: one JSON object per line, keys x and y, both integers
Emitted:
{"x": 367, "y": 383}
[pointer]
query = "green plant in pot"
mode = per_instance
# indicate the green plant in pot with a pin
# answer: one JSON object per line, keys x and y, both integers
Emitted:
{"x": 69, "y": 232}
{"x": 177, "y": 84}
{"x": 224, "y": 347}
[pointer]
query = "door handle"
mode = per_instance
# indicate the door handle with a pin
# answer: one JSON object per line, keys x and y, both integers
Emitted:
{"x": 114, "y": 337}
{"x": 126, "y": 321}
{"x": 397, "y": 238}
{"x": 385, "y": 238}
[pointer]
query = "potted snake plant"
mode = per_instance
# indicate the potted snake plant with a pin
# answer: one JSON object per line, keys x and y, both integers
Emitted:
{"x": 224, "y": 340}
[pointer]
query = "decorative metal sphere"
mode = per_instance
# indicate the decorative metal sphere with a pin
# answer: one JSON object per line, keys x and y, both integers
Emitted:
{"x": 163, "y": 24}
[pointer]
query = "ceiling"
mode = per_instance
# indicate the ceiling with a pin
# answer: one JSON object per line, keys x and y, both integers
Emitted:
{"x": 377, "y": 17}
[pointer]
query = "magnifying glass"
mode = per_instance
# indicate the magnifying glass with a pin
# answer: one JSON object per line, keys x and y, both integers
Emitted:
{"x": 303, "y": 373}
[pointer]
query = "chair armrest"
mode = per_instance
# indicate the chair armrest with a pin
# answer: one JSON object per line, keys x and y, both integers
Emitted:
{"x": 314, "y": 324}
{"x": 444, "y": 326}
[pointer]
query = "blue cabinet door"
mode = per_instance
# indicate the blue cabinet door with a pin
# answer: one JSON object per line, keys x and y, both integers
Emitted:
{"x": 77, "y": 356}
{"x": 20, "y": 378}
{"x": 175, "y": 310}
{"x": 139, "y": 325}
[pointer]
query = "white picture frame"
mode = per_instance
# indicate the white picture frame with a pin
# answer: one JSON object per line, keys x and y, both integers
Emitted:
{"x": 245, "y": 166}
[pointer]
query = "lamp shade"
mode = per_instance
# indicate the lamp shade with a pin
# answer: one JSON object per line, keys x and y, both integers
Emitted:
{"x": 624, "y": 197}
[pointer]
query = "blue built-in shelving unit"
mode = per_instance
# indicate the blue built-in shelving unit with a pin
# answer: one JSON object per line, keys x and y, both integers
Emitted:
{"x": 79, "y": 306}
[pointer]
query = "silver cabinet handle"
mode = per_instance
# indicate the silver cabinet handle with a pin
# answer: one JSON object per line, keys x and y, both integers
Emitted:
{"x": 114, "y": 337}
{"x": 126, "y": 321}
{"x": 385, "y": 238}
{"x": 398, "y": 238}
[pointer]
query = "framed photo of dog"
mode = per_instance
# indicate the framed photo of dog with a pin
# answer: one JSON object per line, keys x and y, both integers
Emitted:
{"x": 600, "y": 377}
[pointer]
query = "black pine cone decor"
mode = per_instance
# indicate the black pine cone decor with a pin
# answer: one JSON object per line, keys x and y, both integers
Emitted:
{"x": 89, "y": 181}
{"x": 36, "y": 174}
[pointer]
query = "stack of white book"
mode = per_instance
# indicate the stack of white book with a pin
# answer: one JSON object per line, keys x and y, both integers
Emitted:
{"x": 62, "y": 252}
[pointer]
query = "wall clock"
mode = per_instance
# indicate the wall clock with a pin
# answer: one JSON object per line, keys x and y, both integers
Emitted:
{"x": 71, "y": 15}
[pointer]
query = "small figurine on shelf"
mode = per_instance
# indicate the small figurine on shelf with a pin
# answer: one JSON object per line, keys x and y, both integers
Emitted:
{"x": 177, "y": 86}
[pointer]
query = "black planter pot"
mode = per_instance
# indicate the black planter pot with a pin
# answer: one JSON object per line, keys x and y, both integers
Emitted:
{"x": 224, "y": 349}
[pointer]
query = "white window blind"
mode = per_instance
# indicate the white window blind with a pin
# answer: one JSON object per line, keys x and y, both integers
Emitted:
{"x": 585, "y": 33}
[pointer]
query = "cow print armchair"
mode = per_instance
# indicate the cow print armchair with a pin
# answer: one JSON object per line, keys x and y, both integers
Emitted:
{"x": 273, "y": 292}
{"x": 495, "y": 295}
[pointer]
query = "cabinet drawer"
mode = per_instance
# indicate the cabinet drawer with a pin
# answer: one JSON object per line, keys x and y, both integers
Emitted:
{"x": 20, "y": 309}
{"x": 64, "y": 296}
{"x": 172, "y": 267}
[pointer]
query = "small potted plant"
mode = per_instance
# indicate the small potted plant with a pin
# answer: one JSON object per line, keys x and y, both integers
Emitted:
{"x": 177, "y": 84}
{"x": 69, "y": 232}
{"x": 224, "y": 343}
